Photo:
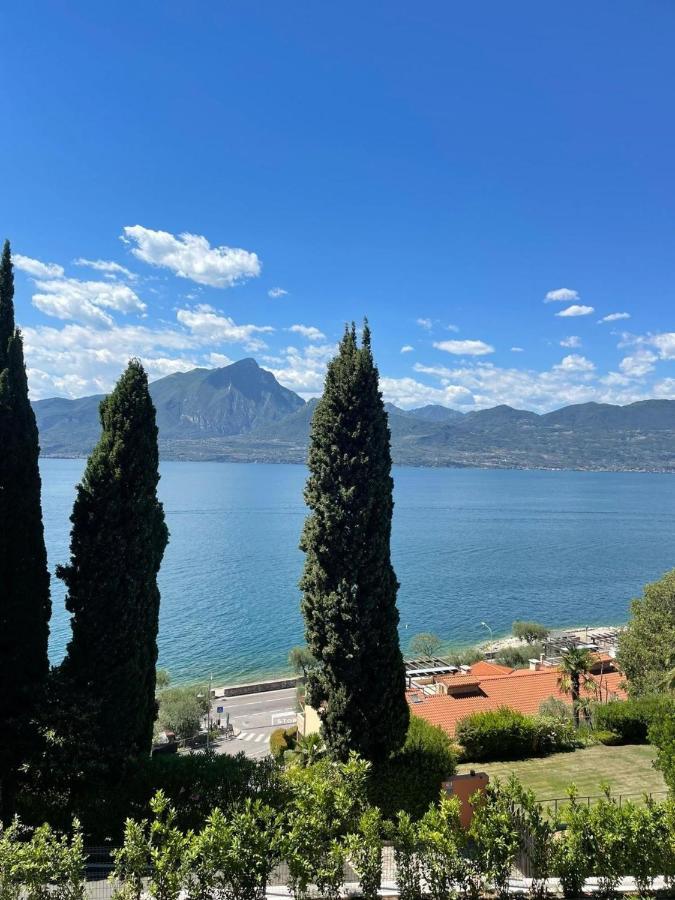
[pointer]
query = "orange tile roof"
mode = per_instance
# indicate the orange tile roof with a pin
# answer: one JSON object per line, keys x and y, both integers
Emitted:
{"x": 522, "y": 689}
{"x": 483, "y": 667}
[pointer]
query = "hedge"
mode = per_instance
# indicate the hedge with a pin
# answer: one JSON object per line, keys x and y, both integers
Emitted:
{"x": 281, "y": 740}
{"x": 507, "y": 734}
{"x": 631, "y": 719}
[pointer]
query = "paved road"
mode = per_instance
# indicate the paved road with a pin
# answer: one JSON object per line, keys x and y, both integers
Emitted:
{"x": 255, "y": 717}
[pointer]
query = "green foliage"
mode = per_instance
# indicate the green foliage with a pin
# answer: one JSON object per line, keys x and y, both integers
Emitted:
{"x": 518, "y": 657}
{"x": 646, "y": 645}
{"x": 607, "y": 738}
{"x": 465, "y": 657}
{"x": 162, "y": 679}
{"x": 406, "y": 856}
{"x": 411, "y": 779}
{"x": 425, "y": 644}
{"x": 364, "y": 850}
{"x": 349, "y": 585}
{"x": 233, "y": 856}
{"x": 281, "y": 740}
{"x": 117, "y": 543}
{"x": 181, "y": 709}
{"x": 662, "y": 735}
{"x": 530, "y": 632}
{"x": 574, "y": 852}
{"x": 631, "y": 719}
{"x": 25, "y": 604}
{"x": 496, "y": 832}
{"x": 441, "y": 845}
{"x": 554, "y": 708}
{"x": 48, "y": 866}
{"x": 301, "y": 660}
{"x": 325, "y": 803}
{"x": 307, "y": 749}
{"x": 508, "y": 734}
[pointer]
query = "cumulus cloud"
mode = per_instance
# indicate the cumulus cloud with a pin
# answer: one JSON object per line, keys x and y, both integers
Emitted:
{"x": 304, "y": 370}
{"x": 454, "y": 328}
{"x": 407, "y": 348}
{"x": 309, "y": 332}
{"x": 465, "y": 348}
{"x": 575, "y": 310}
{"x": 614, "y": 317}
{"x": 219, "y": 360}
{"x": 408, "y": 393}
{"x": 572, "y": 341}
{"x": 210, "y": 326}
{"x": 425, "y": 323}
{"x": 561, "y": 295}
{"x": 106, "y": 266}
{"x": 575, "y": 363}
{"x": 36, "y": 268}
{"x": 191, "y": 256}
{"x": 517, "y": 350}
{"x": 85, "y": 301}
{"x": 639, "y": 363}
{"x": 276, "y": 292}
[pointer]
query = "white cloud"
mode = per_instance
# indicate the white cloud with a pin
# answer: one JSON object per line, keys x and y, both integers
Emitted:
{"x": 465, "y": 348}
{"x": 191, "y": 256}
{"x": 408, "y": 393}
{"x": 211, "y": 327}
{"x": 407, "y": 348}
{"x": 561, "y": 295}
{"x": 575, "y": 310}
{"x": 664, "y": 343}
{"x": 425, "y": 323}
{"x": 614, "y": 317}
{"x": 309, "y": 332}
{"x": 575, "y": 363}
{"x": 572, "y": 341}
{"x": 454, "y": 328}
{"x": 107, "y": 266}
{"x": 277, "y": 292}
{"x": 304, "y": 370}
{"x": 639, "y": 363}
{"x": 219, "y": 360}
{"x": 85, "y": 301}
{"x": 36, "y": 268}
{"x": 517, "y": 350}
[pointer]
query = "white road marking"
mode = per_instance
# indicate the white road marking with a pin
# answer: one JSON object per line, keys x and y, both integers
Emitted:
{"x": 260, "y": 737}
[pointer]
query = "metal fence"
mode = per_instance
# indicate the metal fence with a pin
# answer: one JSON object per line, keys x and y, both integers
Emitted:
{"x": 558, "y": 803}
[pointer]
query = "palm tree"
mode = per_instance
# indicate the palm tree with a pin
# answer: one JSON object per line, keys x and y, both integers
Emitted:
{"x": 575, "y": 668}
{"x": 309, "y": 748}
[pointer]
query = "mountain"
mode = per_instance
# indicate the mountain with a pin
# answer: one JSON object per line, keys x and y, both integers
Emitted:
{"x": 242, "y": 413}
{"x": 200, "y": 404}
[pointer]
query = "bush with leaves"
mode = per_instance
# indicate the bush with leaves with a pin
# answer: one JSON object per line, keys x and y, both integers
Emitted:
{"x": 48, "y": 866}
{"x": 411, "y": 779}
{"x": 233, "y": 856}
{"x": 662, "y": 735}
{"x": 496, "y": 832}
{"x": 364, "y": 850}
{"x": 405, "y": 842}
{"x": 441, "y": 849}
{"x": 158, "y": 849}
{"x": 325, "y": 803}
{"x": 530, "y": 632}
{"x": 281, "y": 740}
{"x": 516, "y": 657}
{"x": 632, "y": 719}
{"x": 574, "y": 852}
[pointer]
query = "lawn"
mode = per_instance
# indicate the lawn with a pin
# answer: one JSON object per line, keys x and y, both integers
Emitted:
{"x": 628, "y": 770}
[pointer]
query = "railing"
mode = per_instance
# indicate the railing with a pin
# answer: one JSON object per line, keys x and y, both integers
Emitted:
{"x": 556, "y": 803}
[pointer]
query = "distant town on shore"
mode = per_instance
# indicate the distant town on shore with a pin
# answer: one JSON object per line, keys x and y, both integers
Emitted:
{"x": 240, "y": 413}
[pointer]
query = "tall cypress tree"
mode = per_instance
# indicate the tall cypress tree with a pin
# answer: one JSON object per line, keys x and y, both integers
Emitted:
{"x": 117, "y": 544}
{"x": 24, "y": 579}
{"x": 349, "y": 585}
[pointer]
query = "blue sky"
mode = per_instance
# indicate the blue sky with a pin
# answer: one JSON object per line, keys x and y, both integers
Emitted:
{"x": 486, "y": 181}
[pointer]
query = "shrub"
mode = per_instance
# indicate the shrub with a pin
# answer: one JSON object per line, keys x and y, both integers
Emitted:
{"x": 365, "y": 852}
{"x": 608, "y": 738}
{"x": 441, "y": 842}
{"x": 518, "y": 657}
{"x": 631, "y": 719}
{"x": 530, "y": 631}
{"x": 662, "y": 734}
{"x": 496, "y": 832}
{"x": 406, "y": 856}
{"x": 496, "y": 734}
{"x": 411, "y": 779}
{"x": 281, "y": 740}
{"x": 553, "y": 736}
{"x": 554, "y": 708}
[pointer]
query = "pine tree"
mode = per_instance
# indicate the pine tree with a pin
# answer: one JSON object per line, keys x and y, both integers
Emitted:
{"x": 117, "y": 544}
{"x": 349, "y": 585}
{"x": 24, "y": 578}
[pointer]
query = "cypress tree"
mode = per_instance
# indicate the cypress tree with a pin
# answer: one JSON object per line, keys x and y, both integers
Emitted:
{"x": 117, "y": 544}
{"x": 349, "y": 585}
{"x": 24, "y": 578}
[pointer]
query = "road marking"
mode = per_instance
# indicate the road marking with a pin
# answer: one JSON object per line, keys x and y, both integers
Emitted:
{"x": 260, "y": 737}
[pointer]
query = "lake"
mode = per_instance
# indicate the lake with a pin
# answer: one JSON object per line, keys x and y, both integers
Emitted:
{"x": 468, "y": 545}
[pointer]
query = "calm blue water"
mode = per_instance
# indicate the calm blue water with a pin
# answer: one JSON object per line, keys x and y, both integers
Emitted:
{"x": 469, "y": 545}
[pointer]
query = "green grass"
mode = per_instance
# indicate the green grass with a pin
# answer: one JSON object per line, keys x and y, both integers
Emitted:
{"x": 627, "y": 769}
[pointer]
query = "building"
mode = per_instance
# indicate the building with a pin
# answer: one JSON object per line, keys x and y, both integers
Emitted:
{"x": 446, "y": 699}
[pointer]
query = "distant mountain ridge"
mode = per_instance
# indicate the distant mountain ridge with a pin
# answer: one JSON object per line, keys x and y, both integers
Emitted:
{"x": 241, "y": 413}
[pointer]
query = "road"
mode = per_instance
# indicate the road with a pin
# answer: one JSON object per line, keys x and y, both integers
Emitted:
{"x": 255, "y": 717}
